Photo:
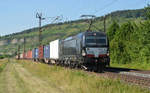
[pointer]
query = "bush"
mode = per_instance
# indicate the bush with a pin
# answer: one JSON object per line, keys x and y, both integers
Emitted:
{"x": 130, "y": 43}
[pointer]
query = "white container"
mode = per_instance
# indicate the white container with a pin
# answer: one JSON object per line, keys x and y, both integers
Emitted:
{"x": 54, "y": 49}
{"x": 21, "y": 55}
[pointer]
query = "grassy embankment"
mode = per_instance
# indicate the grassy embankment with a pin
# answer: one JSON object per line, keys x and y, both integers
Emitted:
{"x": 140, "y": 66}
{"x": 3, "y": 63}
{"x": 30, "y": 77}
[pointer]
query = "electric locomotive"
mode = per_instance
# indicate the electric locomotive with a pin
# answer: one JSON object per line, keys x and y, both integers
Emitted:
{"x": 88, "y": 50}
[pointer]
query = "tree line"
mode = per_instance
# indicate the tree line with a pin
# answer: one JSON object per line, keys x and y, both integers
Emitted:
{"x": 130, "y": 42}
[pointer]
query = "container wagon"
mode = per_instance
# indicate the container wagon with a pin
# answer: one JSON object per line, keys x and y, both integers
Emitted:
{"x": 35, "y": 54}
{"x": 21, "y": 56}
{"x": 41, "y": 53}
{"x": 47, "y": 54}
{"x": 29, "y": 55}
{"x": 88, "y": 50}
{"x": 55, "y": 52}
{"x": 24, "y": 55}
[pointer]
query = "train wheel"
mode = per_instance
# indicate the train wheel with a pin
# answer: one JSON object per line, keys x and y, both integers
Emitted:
{"x": 100, "y": 67}
{"x": 71, "y": 64}
{"x": 61, "y": 63}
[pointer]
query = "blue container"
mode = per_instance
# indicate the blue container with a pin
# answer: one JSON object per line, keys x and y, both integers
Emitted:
{"x": 47, "y": 51}
{"x": 35, "y": 53}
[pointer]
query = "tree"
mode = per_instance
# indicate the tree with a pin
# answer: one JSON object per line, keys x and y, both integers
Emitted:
{"x": 147, "y": 11}
{"x": 112, "y": 30}
{"x": 122, "y": 44}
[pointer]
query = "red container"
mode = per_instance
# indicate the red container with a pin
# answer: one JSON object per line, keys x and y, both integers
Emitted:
{"x": 41, "y": 52}
{"x": 24, "y": 55}
{"x": 29, "y": 54}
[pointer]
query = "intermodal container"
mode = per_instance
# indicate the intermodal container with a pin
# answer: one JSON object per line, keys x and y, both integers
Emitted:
{"x": 24, "y": 55}
{"x": 54, "y": 49}
{"x": 16, "y": 57}
{"x": 29, "y": 54}
{"x": 46, "y": 52}
{"x": 35, "y": 53}
{"x": 21, "y": 56}
{"x": 41, "y": 52}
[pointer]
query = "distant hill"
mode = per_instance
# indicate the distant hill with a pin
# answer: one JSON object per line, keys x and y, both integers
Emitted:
{"x": 9, "y": 43}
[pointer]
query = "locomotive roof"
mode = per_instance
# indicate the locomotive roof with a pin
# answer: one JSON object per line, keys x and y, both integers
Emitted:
{"x": 86, "y": 32}
{"x": 97, "y": 32}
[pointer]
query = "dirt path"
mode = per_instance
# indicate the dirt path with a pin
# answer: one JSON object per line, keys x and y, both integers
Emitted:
{"x": 16, "y": 79}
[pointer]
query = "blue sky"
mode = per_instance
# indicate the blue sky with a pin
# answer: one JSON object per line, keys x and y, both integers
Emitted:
{"x": 18, "y": 15}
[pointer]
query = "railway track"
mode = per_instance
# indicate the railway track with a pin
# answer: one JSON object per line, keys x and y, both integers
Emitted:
{"x": 131, "y": 76}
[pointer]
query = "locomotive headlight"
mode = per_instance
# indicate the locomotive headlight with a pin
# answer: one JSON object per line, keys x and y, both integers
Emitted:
{"x": 83, "y": 53}
{"x": 107, "y": 54}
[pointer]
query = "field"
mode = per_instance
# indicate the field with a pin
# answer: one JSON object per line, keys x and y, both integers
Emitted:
{"x": 30, "y": 77}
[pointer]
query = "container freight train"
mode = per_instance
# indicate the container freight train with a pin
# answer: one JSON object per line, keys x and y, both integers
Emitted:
{"x": 88, "y": 50}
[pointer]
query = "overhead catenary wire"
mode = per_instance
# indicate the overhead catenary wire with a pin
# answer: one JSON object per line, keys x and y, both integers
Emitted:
{"x": 140, "y": 2}
{"x": 147, "y": 2}
{"x": 106, "y": 6}
{"x": 39, "y": 16}
{"x": 93, "y": 16}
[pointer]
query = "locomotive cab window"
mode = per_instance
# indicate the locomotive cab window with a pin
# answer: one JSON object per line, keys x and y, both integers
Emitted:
{"x": 101, "y": 40}
{"x": 95, "y": 40}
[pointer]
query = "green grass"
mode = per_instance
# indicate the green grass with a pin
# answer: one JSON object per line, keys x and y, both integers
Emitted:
{"x": 3, "y": 64}
{"x": 30, "y": 77}
{"x": 140, "y": 66}
{"x": 76, "y": 81}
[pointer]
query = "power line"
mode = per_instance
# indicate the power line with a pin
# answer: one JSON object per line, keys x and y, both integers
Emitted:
{"x": 92, "y": 17}
{"x": 147, "y": 2}
{"x": 39, "y": 16}
{"x": 139, "y": 3}
{"x": 54, "y": 19}
{"x": 106, "y": 6}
